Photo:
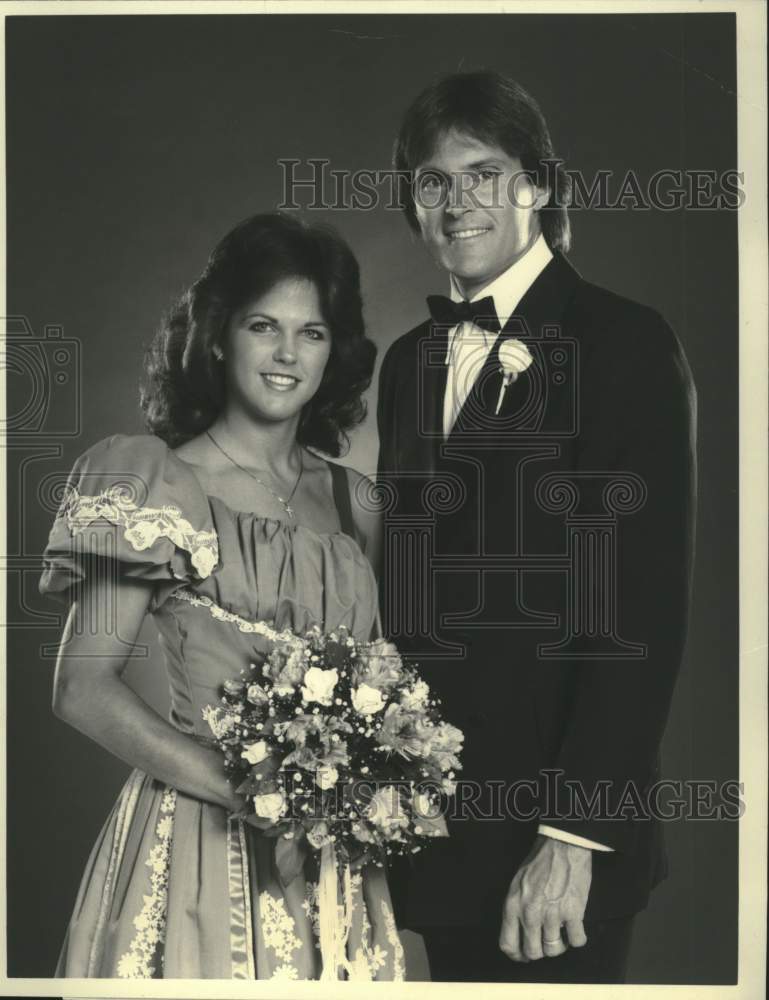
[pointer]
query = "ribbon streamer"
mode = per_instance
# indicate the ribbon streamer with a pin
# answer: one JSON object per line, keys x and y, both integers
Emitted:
{"x": 335, "y": 921}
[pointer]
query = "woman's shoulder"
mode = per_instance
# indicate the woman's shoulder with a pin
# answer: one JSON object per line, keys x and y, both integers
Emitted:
{"x": 143, "y": 472}
{"x": 142, "y": 459}
{"x": 160, "y": 519}
{"x": 126, "y": 448}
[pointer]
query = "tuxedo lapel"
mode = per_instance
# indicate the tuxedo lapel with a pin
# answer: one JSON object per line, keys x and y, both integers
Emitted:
{"x": 427, "y": 386}
{"x": 540, "y": 309}
{"x": 434, "y": 382}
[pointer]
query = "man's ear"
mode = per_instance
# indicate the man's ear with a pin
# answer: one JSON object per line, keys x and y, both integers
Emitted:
{"x": 541, "y": 199}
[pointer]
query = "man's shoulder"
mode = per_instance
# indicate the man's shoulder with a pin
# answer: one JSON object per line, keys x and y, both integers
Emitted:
{"x": 407, "y": 346}
{"x": 598, "y": 313}
{"x": 595, "y": 302}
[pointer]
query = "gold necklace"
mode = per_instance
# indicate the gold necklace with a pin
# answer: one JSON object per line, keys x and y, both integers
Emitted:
{"x": 286, "y": 503}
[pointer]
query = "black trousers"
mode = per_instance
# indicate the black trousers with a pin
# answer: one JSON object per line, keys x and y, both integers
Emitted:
{"x": 472, "y": 955}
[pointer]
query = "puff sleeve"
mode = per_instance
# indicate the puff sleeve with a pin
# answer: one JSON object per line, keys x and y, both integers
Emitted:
{"x": 130, "y": 500}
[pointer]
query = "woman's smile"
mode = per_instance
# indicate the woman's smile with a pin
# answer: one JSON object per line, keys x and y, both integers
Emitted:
{"x": 280, "y": 382}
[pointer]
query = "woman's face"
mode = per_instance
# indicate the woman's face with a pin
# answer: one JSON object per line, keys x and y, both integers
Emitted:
{"x": 276, "y": 349}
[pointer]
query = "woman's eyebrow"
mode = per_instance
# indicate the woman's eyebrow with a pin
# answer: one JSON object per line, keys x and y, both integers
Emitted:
{"x": 262, "y": 315}
{"x": 276, "y": 321}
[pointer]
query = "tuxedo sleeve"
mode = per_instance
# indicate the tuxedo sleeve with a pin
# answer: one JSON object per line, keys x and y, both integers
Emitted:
{"x": 639, "y": 417}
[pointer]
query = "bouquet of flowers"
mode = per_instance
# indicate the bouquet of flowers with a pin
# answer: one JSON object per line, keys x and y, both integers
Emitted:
{"x": 338, "y": 747}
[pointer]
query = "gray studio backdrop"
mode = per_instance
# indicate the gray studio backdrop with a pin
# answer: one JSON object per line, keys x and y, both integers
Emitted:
{"x": 134, "y": 143}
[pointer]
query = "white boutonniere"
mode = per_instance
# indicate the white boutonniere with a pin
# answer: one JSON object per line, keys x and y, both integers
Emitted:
{"x": 514, "y": 358}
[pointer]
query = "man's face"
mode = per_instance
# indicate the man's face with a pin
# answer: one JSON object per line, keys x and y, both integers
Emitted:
{"x": 476, "y": 209}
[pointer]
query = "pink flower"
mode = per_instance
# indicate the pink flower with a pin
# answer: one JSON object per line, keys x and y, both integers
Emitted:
{"x": 404, "y": 732}
{"x": 445, "y": 743}
{"x": 379, "y": 666}
{"x": 386, "y": 812}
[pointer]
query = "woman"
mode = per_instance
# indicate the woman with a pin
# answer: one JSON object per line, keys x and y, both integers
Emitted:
{"x": 223, "y": 517}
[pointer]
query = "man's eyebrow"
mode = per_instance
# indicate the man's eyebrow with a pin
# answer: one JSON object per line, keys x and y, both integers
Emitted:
{"x": 488, "y": 161}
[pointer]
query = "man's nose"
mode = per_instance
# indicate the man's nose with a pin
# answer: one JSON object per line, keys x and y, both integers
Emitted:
{"x": 459, "y": 198}
{"x": 285, "y": 348}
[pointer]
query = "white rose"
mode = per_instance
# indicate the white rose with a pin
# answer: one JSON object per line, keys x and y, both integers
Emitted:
{"x": 319, "y": 685}
{"x": 271, "y": 806}
{"x": 514, "y": 357}
{"x": 326, "y": 777}
{"x": 256, "y": 753}
{"x": 366, "y": 700}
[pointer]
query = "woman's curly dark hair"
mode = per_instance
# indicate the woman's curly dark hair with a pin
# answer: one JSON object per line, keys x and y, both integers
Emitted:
{"x": 183, "y": 390}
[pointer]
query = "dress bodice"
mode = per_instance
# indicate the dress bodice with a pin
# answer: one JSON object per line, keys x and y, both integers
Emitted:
{"x": 216, "y": 573}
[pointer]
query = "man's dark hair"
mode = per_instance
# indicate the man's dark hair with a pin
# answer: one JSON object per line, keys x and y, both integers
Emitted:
{"x": 497, "y": 111}
{"x": 184, "y": 391}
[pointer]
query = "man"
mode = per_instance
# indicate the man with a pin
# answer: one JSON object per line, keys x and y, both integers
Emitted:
{"x": 537, "y": 447}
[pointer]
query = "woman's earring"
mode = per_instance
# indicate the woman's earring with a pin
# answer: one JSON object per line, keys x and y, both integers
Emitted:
{"x": 218, "y": 354}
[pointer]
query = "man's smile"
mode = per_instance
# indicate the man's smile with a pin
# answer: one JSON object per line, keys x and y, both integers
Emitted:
{"x": 467, "y": 234}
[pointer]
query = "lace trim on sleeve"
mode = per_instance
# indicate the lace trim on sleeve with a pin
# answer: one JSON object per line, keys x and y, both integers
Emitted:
{"x": 142, "y": 526}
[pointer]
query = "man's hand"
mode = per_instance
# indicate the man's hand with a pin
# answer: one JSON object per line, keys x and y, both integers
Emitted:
{"x": 549, "y": 891}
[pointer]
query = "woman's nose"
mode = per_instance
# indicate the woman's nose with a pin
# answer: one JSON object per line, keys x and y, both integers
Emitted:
{"x": 285, "y": 349}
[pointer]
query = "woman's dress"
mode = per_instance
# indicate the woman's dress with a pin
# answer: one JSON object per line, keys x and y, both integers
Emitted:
{"x": 173, "y": 887}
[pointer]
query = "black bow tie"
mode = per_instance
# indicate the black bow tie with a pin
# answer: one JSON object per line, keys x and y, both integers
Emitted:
{"x": 448, "y": 313}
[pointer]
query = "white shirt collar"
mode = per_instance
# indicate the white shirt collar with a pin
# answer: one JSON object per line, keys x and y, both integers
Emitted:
{"x": 510, "y": 287}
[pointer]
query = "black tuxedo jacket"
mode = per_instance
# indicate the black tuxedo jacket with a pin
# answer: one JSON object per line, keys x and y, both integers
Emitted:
{"x": 538, "y": 568}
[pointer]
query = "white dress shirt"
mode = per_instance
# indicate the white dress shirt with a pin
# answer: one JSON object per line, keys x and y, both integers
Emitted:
{"x": 469, "y": 345}
{"x": 467, "y": 350}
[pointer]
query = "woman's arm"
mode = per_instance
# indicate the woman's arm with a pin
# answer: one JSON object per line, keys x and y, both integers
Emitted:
{"x": 90, "y": 695}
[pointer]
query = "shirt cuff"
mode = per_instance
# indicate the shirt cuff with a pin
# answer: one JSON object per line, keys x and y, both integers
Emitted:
{"x": 571, "y": 838}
